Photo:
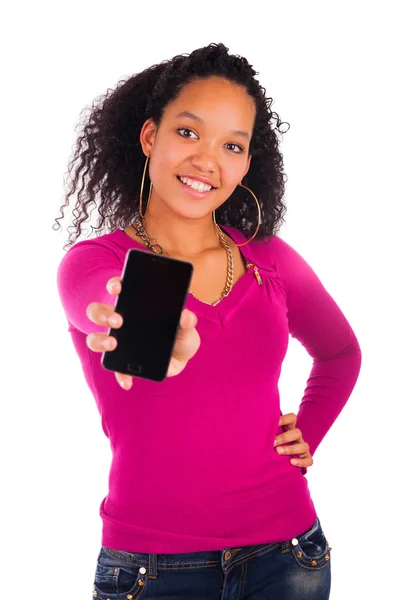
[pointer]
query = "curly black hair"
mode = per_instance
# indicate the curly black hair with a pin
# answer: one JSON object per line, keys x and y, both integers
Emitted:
{"x": 111, "y": 160}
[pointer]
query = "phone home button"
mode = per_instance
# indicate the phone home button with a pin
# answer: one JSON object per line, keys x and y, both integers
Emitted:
{"x": 134, "y": 369}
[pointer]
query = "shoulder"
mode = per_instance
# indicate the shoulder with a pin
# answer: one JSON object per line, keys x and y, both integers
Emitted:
{"x": 108, "y": 244}
{"x": 277, "y": 251}
{"x": 279, "y": 259}
{"x": 105, "y": 250}
{"x": 264, "y": 252}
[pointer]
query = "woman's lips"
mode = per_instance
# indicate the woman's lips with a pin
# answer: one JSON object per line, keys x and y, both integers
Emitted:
{"x": 193, "y": 192}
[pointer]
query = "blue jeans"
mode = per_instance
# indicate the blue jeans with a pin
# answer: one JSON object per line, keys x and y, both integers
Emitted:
{"x": 296, "y": 569}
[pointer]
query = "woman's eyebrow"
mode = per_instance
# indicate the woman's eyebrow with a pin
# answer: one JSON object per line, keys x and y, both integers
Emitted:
{"x": 196, "y": 118}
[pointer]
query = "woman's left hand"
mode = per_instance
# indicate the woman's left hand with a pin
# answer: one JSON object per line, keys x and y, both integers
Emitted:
{"x": 294, "y": 438}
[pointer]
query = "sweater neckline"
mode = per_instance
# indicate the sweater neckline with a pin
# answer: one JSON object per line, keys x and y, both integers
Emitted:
{"x": 224, "y": 309}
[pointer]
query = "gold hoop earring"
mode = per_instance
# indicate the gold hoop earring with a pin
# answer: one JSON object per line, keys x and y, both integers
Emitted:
{"x": 259, "y": 218}
{"x": 141, "y": 190}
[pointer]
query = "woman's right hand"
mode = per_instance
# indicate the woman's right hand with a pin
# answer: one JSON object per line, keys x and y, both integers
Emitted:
{"x": 186, "y": 345}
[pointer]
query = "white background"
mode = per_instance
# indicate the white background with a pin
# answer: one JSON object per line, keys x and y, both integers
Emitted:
{"x": 332, "y": 71}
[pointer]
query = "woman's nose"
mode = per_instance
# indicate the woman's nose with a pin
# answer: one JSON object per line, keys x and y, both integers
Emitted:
{"x": 205, "y": 161}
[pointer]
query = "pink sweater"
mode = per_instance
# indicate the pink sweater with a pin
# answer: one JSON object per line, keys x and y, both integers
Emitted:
{"x": 193, "y": 461}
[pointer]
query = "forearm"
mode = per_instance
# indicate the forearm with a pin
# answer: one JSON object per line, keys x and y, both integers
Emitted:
{"x": 329, "y": 386}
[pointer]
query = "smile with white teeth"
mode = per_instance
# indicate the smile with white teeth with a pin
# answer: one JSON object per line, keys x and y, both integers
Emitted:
{"x": 196, "y": 185}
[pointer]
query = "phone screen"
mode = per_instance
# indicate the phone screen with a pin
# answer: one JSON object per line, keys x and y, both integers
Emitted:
{"x": 153, "y": 295}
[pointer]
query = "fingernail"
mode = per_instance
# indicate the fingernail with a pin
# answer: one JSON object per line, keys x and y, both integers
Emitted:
{"x": 122, "y": 383}
{"x": 280, "y": 450}
{"x": 114, "y": 321}
{"x": 294, "y": 461}
{"x": 275, "y": 442}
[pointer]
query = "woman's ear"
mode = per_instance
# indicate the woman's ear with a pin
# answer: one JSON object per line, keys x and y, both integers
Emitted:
{"x": 147, "y": 136}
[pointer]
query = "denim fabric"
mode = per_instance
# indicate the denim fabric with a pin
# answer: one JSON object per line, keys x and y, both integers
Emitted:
{"x": 296, "y": 569}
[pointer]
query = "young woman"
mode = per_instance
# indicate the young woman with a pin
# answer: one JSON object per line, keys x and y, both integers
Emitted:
{"x": 208, "y": 497}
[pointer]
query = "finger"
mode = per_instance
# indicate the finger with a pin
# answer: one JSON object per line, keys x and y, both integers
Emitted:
{"x": 114, "y": 285}
{"x": 103, "y": 314}
{"x": 302, "y": 448}
{"x": 292, "y": 435}
{"x": 187, "y": 343}
{"x": 176, "y": 366}
{"x": 302, "y": 462}
{"x": 125, "y": 381}
{"x": 289, "y": 420}
{"x": 188, "y": 319}
{"x": 185, "y": 348}
{"x": 100, "y": 342}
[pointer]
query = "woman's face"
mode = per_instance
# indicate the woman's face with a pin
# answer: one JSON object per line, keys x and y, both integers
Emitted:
{"x": 204, "y": 133}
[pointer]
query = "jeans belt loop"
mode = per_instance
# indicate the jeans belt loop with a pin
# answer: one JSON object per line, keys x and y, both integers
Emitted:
{"x": 152, "y": 566}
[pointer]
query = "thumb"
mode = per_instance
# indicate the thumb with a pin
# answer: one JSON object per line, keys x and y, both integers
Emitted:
{"x": 188, "y": 319}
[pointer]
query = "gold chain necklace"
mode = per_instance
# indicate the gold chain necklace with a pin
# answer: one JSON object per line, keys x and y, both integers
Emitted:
{"x": 156, "y": 248}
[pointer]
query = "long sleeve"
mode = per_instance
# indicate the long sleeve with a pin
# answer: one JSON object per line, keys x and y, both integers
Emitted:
{"x": 228, "y": 393}
{"x": 81, "y": 279}
{"x": 317, "y": 322}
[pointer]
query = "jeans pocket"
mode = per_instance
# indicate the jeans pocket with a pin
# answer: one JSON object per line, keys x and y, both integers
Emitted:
{"x": 312, "y": 550}
{"x": 117, "y": 580}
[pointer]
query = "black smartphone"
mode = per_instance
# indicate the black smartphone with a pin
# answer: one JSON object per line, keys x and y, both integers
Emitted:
{"x": 153, "y": 295}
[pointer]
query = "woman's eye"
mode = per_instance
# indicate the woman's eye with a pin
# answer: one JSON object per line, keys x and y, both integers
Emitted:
{"x": 184, "y": 129}
{"x": 237, "y": 146}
